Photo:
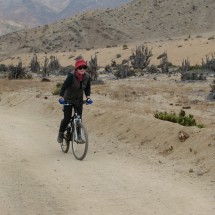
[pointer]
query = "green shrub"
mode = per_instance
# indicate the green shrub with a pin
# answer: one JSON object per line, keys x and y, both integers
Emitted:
{"x": 118, "y": 55}
{"x": 66, "y": 70}
{"x": 3, "y": 68}
{"x": 181, "y": 118}
{"x": 125, "y": 47}
{"x": 123, "y": 71}
{"x": 57, "y": 89}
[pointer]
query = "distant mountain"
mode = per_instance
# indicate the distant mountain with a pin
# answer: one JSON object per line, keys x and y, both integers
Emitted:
{"x": 32, "y": 13}
{"x": 133, "y": 22}
{"x": 8, "y": 26}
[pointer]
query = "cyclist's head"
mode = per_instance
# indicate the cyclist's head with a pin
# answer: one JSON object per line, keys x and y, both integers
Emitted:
{"x": 80, "y": 66}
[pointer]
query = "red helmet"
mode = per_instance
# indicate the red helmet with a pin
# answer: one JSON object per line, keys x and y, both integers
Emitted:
{"x": 80, "y": 62}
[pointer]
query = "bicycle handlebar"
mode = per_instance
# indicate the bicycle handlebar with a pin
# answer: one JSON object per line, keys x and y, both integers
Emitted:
{"x": 62, "y": 102}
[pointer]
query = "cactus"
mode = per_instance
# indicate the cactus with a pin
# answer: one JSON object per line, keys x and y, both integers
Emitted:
{"x": 164, "y": 64}
{"x": 140, "y": 57}
{"x": 185, "y": 65}
{"x": 54, "y": 64}
{"x": 34, "y": 64}
{"x": 209, "y": 63}
{"x": 46, "y": 67}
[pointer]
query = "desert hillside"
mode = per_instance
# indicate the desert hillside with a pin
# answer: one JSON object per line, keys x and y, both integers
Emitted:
{"x": 193, "y": 48}
{"x": 185, "y": 30}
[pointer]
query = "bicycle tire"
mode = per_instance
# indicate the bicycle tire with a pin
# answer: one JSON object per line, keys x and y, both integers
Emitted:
{"x": 65, "y": 145}
{"x": 80, "y": 149}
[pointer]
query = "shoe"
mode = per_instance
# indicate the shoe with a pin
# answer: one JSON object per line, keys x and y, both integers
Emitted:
{"x": 60, "y": 137}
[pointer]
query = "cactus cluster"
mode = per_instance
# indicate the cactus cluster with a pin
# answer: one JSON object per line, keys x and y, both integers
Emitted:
{"x": 18, "y": 72}
{"x": 47, "y": 67}
{"x": 134, "y": 65}
{"x": 209, "y": 63}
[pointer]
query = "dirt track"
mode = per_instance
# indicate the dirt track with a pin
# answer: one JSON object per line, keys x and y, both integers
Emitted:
{"x": 114, "y": 179}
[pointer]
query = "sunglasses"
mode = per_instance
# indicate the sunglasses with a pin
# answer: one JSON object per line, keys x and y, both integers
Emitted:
{"x": 82, "y": 67}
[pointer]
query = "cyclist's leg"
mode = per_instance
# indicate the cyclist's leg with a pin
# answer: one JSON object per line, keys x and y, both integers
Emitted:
{"x": 79, "y": 109}
{"x": 64, "y": 122}
{"x": 67, "y": 116}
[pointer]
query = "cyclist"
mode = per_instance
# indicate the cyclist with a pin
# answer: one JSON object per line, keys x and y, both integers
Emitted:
{"x": 72, "y": 91}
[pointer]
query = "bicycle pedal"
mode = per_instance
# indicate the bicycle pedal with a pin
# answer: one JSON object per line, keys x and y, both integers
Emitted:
{"x": 80, "y": 141}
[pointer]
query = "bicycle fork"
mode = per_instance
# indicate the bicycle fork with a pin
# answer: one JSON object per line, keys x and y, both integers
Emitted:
{"x": 75, "y": 124}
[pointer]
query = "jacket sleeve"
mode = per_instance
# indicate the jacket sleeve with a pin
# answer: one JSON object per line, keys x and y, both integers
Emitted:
{"x": 88, "y": 88}
{"x": 66, "y": 84}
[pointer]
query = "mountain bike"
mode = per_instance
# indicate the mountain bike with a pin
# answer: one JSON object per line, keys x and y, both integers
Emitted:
{"x": 76, "y": 135}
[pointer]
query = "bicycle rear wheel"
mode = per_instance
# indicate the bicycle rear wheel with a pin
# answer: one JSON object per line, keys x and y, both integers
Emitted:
{"x": 79, "y": 149}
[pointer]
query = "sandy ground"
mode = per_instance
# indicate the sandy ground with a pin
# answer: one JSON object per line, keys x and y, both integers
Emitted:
{"x": 194, "y": 48}
{"x": 135, "y": 163}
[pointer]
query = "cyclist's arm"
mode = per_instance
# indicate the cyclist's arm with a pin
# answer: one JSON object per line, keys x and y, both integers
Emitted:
{"x": 87, "y": 90}
{"x": 66, "y": 84}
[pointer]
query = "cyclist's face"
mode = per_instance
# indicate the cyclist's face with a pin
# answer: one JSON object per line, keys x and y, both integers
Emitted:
{"x": 81, "y": 69}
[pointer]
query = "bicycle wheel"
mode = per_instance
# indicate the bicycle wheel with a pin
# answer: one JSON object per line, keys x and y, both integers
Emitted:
{"x": 79, "y": 149}
{"x": 65, "y": 144}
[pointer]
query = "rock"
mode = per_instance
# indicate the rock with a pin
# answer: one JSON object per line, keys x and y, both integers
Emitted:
{"x": 200, "y": 173}
{"x": 182, "y": 136}
{"x": 186, "y": 107}
{"x": 191, "y": 170}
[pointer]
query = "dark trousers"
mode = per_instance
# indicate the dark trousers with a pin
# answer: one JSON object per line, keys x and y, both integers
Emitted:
{"x": 67, "y": 115}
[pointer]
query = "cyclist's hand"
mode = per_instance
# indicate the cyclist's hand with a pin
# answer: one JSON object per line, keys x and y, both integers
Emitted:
{"x": 89, "y": 101}
{"x": 61, "y": 101}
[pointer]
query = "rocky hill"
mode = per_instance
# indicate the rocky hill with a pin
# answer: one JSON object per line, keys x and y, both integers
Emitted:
{"x": 135, "y": 21}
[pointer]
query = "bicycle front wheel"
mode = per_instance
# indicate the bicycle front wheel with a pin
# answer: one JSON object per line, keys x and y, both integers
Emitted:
{"x": 80, "y": 146}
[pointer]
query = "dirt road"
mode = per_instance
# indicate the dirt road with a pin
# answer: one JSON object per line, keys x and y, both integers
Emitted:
{"x": 116, "y": 178}
{"x": 37, "y": 178}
